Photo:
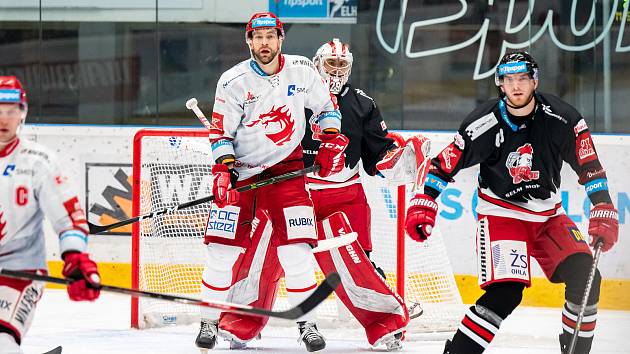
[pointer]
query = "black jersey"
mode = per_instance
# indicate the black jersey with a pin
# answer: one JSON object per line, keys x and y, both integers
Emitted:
{"x": 520, "y": 159}
{"x": 363, "y": 124}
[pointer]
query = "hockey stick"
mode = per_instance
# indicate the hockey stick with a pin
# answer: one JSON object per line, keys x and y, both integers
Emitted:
{"x": 55, "y": 350}
{"x": 97, "y": 229}
{"x": 192, "y": 105}
{"x": 587, "y": 291}
{"x": 335, "y": 242}
{"x": 320, "y": 294}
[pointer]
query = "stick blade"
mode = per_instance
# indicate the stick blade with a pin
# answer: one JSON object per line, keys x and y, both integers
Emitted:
{"x": 55, "y": 351}
{"x": 320, "y": 294}
{"x": 96, "y": 229}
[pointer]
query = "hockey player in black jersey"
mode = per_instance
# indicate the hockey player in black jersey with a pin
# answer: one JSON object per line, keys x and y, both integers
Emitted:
{"x": 520, "y": 142}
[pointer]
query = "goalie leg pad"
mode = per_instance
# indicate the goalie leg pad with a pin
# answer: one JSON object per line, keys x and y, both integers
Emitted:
{"x": 362, "y": 290}
{"x": 299, "y": 269}
{"x": 20, "y": 299}
{"x": 350, "y": 200}
{"x": 8, "y": 345}
{"x": 255, "y": 283}
{"x": 216, "y": 278}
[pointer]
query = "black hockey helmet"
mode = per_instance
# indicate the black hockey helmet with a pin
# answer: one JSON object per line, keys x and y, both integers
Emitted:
{"x": 517, "y": 62}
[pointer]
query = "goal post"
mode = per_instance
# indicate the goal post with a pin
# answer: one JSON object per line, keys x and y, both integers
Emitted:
{"x": 172, "y": 166}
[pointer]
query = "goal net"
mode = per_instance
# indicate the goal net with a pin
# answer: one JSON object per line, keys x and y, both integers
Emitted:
{"x": 172, "y": 166}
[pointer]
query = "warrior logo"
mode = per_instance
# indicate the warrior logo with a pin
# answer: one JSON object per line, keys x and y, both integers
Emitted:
{"x": 278, "y": 124}
{"x": 519, "y": 164}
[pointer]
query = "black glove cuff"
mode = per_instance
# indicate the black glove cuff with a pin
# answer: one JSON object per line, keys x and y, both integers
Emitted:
{"x": 233, "y": 177}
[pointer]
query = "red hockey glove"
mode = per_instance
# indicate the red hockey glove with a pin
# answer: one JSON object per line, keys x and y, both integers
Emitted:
{"x": 421, "y": 217}
{"x": 603, "y": 224}
{"x": 224, "y": 178}
{"x": 331, "y": 155}
{"x": 83, "y": 270}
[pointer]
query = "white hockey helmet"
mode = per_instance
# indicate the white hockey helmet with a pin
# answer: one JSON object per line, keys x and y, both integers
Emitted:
{"x": 333, "y": 60}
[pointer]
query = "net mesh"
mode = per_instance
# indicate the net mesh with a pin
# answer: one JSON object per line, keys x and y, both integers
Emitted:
{"x": 175, "y": 169}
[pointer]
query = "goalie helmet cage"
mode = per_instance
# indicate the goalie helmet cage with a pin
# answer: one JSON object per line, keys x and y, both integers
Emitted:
{"x": 172, "y": 166}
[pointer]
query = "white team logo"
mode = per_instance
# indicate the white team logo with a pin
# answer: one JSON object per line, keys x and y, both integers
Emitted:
{"x": 519, "y": 164}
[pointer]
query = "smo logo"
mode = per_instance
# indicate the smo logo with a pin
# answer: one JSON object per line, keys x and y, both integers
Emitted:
{"x": 222, "y": 220}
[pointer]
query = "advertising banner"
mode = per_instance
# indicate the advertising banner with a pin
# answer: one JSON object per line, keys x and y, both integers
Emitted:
{"x": 315, "y": 11}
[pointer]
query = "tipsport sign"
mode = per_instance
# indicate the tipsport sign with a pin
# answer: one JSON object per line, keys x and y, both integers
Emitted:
{"x": 343, "y": 11}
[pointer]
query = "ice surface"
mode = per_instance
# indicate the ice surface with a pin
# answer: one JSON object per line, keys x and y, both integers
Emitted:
{"x": 103, "y": 327}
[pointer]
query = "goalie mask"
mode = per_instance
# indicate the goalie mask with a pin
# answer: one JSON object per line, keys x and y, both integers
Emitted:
{"x": 333, "y": 60}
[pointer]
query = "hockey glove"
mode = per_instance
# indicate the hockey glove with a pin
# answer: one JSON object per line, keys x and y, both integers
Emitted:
{"x": 421, "y": 217}
{"x": 224, "y": 178}
{"x": 603, "y": 224}
{"x": 331, "y": 155}
{"x": 84, "y": 272}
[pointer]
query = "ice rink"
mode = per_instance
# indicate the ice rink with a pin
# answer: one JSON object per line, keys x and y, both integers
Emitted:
{"x": 103, "y": 327}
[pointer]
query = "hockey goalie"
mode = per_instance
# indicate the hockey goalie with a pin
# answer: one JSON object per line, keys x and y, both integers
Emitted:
{"x": 337, "y": 199}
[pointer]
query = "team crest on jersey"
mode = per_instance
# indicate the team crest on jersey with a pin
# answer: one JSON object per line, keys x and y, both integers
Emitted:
{"x": 278, "y": 124}
{"x": 519, "y": 164}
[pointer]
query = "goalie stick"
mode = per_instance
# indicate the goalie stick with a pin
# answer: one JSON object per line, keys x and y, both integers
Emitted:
{"x": 587, "y": 291}
{"x": 320, "y": 294}
{"x": 97, "y": 229}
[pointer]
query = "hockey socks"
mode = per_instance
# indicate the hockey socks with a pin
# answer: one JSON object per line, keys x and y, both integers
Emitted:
{"x": 587, "y": 329}
{"x": 475, "y": 332}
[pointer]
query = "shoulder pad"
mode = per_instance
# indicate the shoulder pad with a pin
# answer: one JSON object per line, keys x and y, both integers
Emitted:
{"x": 35, "y": 150}
{"x": 362, "y": 93}
{"x": 559, "y": 110}
{"x": 232, "y": 74}
{"x": 482, "y": 124}
{"x": 298, "y": 60}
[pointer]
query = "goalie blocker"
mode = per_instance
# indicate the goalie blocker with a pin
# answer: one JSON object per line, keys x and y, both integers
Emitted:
{"x": 380, "y": 311}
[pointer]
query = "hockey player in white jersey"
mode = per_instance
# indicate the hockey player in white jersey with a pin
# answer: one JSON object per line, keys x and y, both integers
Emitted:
{"x": 33, "y": 184}
{"x": 341, "y": 207}
{"x": 257, "y": 125}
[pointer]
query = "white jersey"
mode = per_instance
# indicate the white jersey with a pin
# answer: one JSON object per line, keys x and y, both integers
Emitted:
{"x": 33, "y": 184}
{"x": 260, "y": 118}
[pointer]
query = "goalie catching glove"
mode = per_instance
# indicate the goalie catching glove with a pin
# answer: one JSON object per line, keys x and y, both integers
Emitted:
{"x": 603, "y": 224}
{"x": 330, "y": 155}
{"x": 420, "y": 218}
{"x": 223, "y": 178}
{"x": 84, "y": 272}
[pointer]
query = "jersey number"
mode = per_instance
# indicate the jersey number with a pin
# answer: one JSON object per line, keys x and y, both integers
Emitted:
{"x": 21, "y": 195}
